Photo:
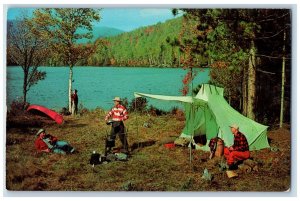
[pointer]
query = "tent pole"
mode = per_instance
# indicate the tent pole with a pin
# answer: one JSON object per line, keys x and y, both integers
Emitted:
{"x": 137, "y": 125}
{"x": 192, "y": 136}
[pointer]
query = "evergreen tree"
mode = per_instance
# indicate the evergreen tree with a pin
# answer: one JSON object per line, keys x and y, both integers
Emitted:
{"x": 233, "y": 40}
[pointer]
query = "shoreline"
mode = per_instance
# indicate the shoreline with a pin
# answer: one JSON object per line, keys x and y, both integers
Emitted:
{"x": 162, "y": 67}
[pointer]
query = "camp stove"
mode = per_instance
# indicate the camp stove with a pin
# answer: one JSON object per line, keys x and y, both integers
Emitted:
{"x": 109, "y": 144}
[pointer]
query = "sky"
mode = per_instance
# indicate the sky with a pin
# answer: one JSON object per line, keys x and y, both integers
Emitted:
{"x": 125, "y": 19}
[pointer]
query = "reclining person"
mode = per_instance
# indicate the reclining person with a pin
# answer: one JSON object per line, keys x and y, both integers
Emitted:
{"x": 48, "y": 143}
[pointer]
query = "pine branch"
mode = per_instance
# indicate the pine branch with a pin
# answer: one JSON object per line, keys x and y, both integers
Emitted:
{"x": 273, "y": 19}
{"x": 267, "y": 72}
{"x": 272, "y": 57}
{"x": 258, "y": 38}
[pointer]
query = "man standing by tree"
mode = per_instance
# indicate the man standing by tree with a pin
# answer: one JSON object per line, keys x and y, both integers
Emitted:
{"x": 74, "y": 98}
{"x": 64, "y": 27}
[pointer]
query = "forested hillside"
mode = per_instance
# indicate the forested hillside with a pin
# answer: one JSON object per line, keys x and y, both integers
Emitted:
{"x": 101, "y": 32}
{"x": 155, "y": 45}
{"x": 152, "y": 46}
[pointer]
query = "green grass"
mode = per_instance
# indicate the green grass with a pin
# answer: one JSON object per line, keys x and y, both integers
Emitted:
{"x": 150, "y": 168}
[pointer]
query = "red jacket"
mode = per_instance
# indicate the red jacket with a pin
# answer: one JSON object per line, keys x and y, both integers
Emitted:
{"x": 74, "y": 97}
{"x": 40, "y": 145}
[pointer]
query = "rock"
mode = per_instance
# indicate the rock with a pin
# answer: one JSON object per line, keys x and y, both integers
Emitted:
{"x": 231, "y": 174}
{"x": 206, "y": 175}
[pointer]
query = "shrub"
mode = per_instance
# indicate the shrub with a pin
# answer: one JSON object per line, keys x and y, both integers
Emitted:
{"x": 179, "y": 114}
{"x": 138, "y": 104}
{"x": 155, "y": 111}
{"x": 83, "y": 111}
{"x": 17, "y": 107}
{"x": 64, "y": 111}
{"x": 174, "y": 110}
{"x": 125, "y": 102}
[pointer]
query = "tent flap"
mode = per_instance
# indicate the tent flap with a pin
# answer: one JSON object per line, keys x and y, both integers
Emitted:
{"x": 187, "y": 99}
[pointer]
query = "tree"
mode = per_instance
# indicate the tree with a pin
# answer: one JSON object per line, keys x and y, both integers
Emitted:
{"x": 173, "y": 43}
{"x": 26, "y": 47}
{"x": 65, "y": 26}
{"x": 283, "y": 82}
{"x": 239, "y": 43}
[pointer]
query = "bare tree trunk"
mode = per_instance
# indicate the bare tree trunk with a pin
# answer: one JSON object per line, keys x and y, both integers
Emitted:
{"x": 251, "y": 83}
{"x": 70, "y": 88}
{"x": 282, "y": 83}
{"x": 178, "y": 57}
{"x": 24, "y": 93}
{"x": 25, "y": 87}
{"x": 244, "y": 91}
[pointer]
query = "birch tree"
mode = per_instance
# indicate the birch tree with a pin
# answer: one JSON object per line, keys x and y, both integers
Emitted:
{"x": 65, "y": 26}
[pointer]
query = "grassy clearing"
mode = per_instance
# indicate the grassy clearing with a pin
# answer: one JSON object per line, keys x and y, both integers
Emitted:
{"x": 151, "y": 167}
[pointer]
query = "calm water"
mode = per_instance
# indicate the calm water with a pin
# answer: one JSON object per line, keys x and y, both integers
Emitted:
{"x": 97, "y": 86}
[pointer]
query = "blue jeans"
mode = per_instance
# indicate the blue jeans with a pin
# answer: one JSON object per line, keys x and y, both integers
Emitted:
{"x": 62, "y": 147}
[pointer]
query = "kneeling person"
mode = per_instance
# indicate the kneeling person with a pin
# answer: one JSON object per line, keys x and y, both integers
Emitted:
{"x": 239, "y": 150}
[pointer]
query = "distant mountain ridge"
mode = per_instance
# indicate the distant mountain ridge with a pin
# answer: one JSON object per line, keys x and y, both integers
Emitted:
{"x": 154, "y": 45}
{"x": 102, "y": 32}
{"x": 98, "y": 32}
{"x": 150, "y": 46}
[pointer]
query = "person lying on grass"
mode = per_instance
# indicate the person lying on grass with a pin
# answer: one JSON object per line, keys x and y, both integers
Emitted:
{"x": 48, "y": 143}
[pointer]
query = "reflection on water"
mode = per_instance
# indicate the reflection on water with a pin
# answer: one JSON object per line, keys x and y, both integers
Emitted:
{"x": 97, "y": 86}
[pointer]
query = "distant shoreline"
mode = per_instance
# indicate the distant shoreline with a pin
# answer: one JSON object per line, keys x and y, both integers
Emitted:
{"x": 11, "y": 66}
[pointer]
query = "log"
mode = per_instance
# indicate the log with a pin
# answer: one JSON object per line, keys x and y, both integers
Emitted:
{"x": 250, "y": 163}
{"x": 245, "y": 168}
{"x": 255, "y": 168}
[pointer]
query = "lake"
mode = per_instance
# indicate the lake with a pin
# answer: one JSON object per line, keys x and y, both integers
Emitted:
{"x": 97, "y": 86}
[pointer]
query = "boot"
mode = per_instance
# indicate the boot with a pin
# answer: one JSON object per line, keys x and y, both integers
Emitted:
{"x": 232, "y": 167}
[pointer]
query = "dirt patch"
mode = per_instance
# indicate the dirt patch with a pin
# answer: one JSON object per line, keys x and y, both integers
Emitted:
{"x": 28, "y": 120}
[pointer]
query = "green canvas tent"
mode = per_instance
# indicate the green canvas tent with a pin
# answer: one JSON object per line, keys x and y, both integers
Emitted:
{"x": 208, "y": 113}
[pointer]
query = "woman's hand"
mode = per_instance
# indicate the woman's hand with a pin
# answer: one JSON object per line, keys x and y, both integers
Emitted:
{"x": 46, "y": 150}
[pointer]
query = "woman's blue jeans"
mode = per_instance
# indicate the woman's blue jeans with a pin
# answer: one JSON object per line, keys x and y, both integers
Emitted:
{"x": 62, "y": 147}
